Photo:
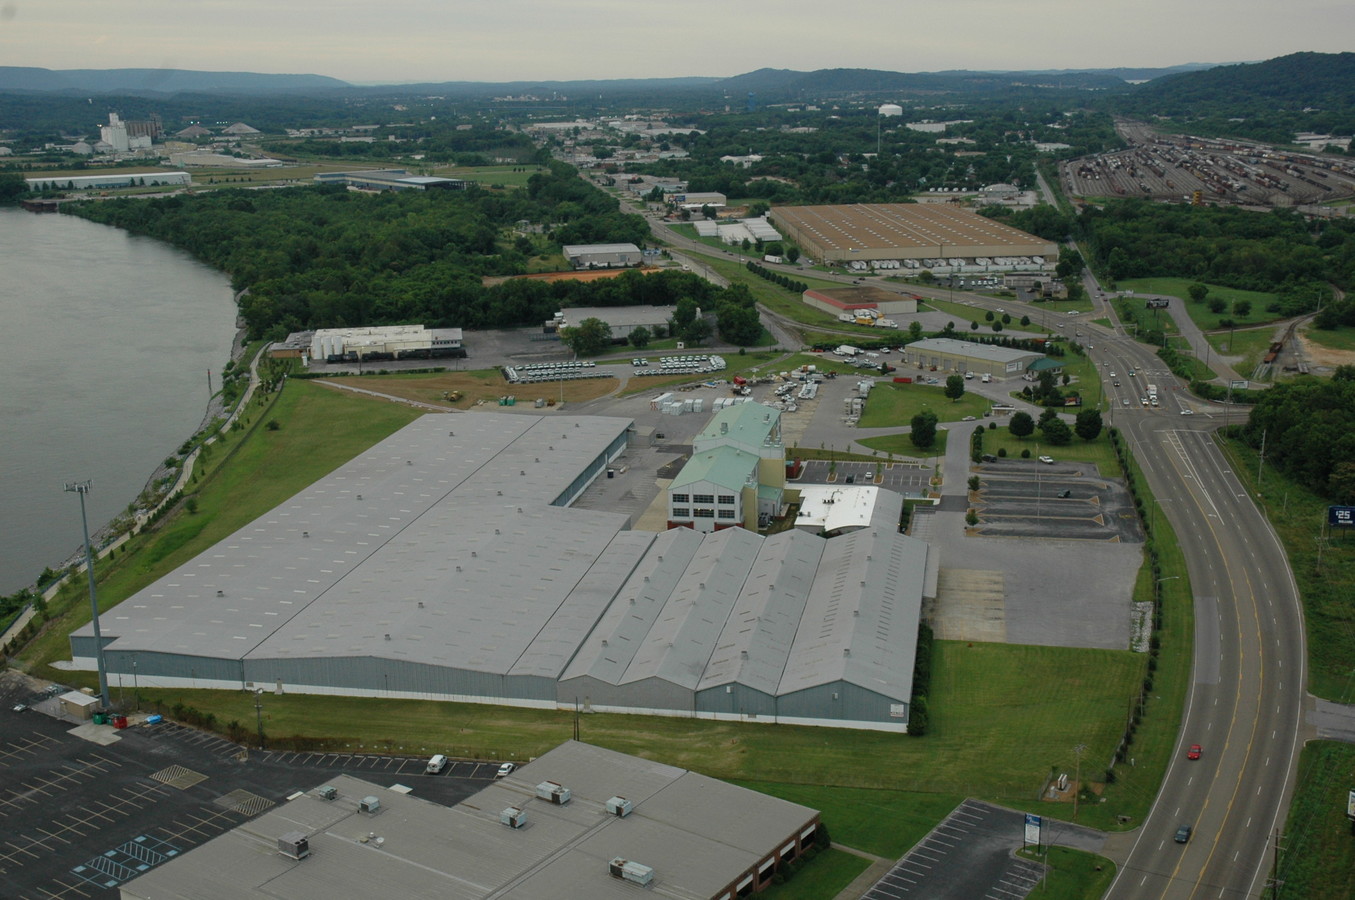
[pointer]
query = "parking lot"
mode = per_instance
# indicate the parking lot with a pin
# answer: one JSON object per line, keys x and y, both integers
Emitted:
{"x": 1025, "y": 498}
{"x": 909, "y": 479}
{"x": 82, "y": 815}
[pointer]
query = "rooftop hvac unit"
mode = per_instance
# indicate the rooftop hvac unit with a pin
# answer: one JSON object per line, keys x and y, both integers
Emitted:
{"x": 555, "y": 793}
{"x": 369, "y": 804}
{"x": 513, "y": 817}
{"x": 630, "y": 871}
{"x": 620, "y": 807}
{"x": 328, "y": 792}
{"x": 294, "y": 845}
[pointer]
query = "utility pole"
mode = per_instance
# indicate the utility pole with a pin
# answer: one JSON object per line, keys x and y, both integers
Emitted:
{"x": 1077, "y": 776}
{"x": 82, "y": 488}
{"x": 1261, "y": 462}
{"x": 1275, "y": 882}
{"x": 258, "y": 712}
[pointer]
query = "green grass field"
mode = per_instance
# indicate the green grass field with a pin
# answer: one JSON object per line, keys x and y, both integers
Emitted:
{"x": 1070, "y": 874}
{"x": 825, "y": 875}
{"x": 1318, "y": 860}
{"x": 1199, "y": 312}
{"x": 896, "y": 404}
{"x": 1340, "y": 339}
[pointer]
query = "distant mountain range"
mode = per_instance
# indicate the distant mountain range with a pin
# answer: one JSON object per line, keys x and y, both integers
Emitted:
{"x": 769, "y": 84}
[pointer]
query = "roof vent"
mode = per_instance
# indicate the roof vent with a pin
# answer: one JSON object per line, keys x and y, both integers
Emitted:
{"x": 519, "y": 509}
{"x": 743, "y": 654}
{"x": 554, "y": 792}
{"x": 294, "y": 845}
{"x": 604, "y": 642}
{"x": 409, "y": 462}
{"x": 620, "y": 807}
{"x": 630, "y": 871}
{"x": 369, "y": 804}
{"x": 359, "y": 496}
{"x": 473, "y": 554}
{"x": 221, "y": 593}
{"x": 522, "y": 471}
{"x": 846, "y": 651}
{"x": 724, "y": 428}
{"x": 388, "y": 637}
{"x": 305, "y": 534}
{"x": 451, "y": 434}
{"x": 327, "y": 792}
{"x": 420, "y": 604}
{"x": 498, "y": 493}
{"x": 538, "y": 459}
{"x": 458, "y": 568}
{"x": 513, "y": 817}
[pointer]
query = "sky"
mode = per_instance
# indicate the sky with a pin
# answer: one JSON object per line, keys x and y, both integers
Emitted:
{"x": 509, "y": 40}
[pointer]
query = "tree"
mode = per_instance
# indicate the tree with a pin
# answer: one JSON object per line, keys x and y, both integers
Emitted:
{"x": 1088, "y": 424}
{"x": 1198, "y": 292}
{"x": 1242, "y": 308}
{"x": 914, "y": 330}
{"x": 792, "y": 253}
{"x": 1021, "y": 426}
{"x": 997, "y": 326}
{"x": 923, "y": 434}
{"x": 1057, "y": 432}
{"x": 1216, "y": 305}
{"x": 589, "y": 338}
{"x": 639, "y": 337}
{"x": 989, "y": 316}
{"x": 696, "y": 332}
{"x": 973, "y": 326}
{"x": 684, "y": 313}
{"x": 1025, "y": 321}
{"x": 954, "y": 387}
{"x": 926, "y": 276}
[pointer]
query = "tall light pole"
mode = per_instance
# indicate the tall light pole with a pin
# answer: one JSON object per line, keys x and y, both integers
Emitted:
{"x": 82, "y": 488}
{"x": 258, "y": 712}
{"x": 1077, "y": 777}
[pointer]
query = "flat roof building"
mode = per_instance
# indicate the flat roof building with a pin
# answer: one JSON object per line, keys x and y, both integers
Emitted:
{"x": 951, "y": 355}
{"x": 579, "y": 821}
{"x": 390, "y": 180}
{"x": 107, "y": 181}
{"x": 602, "y": 256}
{"x": 901, "y": 231}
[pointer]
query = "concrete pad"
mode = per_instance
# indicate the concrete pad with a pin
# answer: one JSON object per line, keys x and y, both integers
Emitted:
{"x": 96, "y": 734}
{"x": 969, "y": 606}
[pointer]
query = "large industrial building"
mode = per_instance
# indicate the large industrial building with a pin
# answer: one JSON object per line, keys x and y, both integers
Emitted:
{"x": 579, "y": 821}
{"x": 938, "y": 232}
{"x": 951, "y": 355}
{"x": 736, "y": 475}
{"x": 110, "y": 180}
{"x": 390, "y": 180}
{"x": 378, "y": 342}
{"x": 602, "y": 256}
{"x": 444, "y": 563}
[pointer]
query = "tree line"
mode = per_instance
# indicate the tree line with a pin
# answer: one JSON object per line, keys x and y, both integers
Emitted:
{"x": 1308, "y": 429}
{"x": 321, "y": 256}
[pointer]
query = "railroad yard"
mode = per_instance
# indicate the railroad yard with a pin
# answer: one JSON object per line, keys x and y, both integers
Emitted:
{"x": 1176, "y": 167}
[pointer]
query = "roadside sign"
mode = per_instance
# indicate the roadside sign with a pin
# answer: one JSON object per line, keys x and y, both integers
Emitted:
{"x": 1033, "y": 826}
{"x": 1350, "y": 806}
{"x": 1238, "y": 385}
{"x": 1341, "y": 516}
{"x": 1158, "y": 304}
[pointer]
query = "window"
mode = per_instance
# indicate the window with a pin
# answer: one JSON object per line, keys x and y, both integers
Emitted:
{"x": 727, "y": 499}
{"x": 681, "y": 512}
{"x": 703, "y": 498}
{"x": 681, "y": 498}
{"x": 726, "y": 513}
{"x": 705, "y": 514}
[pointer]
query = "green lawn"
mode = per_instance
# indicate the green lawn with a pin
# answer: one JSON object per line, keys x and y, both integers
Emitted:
{"x": 1097, "y": 451}
{"x": 1251, "y": 344}
{"x": 824, "y": 876}
{"x": 504, "y": 176}
{"x": 1070, "y": 874}
{"x": 1340, "y": 339}
{"x": 895, "y": 404}
{"x": 1318, "y": 860}
{"x": 1199, "y": 312}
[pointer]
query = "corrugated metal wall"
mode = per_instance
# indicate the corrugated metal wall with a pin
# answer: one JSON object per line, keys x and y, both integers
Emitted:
{"x": 840, "y": 700}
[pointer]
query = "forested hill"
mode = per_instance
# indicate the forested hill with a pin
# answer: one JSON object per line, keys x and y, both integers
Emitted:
{"x": 1266, "y": 100}
{"x": 321, "y": 256}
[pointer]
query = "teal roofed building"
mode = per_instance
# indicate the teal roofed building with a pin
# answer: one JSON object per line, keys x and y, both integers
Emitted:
{"x": 737, "y": 473}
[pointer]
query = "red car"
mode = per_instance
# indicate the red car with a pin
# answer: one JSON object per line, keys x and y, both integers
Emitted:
{"x": 1194, "y": 751}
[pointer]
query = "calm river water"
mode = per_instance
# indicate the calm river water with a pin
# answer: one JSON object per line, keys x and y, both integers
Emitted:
{"x": 106, "y": 341}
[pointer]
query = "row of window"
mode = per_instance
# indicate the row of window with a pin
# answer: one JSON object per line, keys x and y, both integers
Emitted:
{"x": 726, "y": 499}
{"x": 682, "y": 512}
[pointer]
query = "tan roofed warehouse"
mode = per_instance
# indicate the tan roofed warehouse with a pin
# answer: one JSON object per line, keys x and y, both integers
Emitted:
{"x": 903, "y": 231}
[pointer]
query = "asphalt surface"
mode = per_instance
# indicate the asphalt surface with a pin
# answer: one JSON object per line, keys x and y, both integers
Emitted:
{"x": 85, "y": 808}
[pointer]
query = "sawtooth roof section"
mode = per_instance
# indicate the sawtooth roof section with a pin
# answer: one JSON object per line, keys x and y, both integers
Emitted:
{"x": 860, "y": 625}
{"x": 684, "y": 635}
{"x": 621, "y": 631}
{"x": 757, "y": 638}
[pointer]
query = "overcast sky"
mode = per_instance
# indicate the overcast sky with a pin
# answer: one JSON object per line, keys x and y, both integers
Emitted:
{"x": 507, "y": 40}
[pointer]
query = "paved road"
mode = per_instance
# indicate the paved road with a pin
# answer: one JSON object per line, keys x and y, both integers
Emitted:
{"x": 1247, "y": 696}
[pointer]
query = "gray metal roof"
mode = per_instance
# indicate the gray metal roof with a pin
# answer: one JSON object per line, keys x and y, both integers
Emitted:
{"x": 860, "y": 624}
{"x": 465, "y": 853}
{"x": 973, "y": 350}
{"x": 350, "y": 559}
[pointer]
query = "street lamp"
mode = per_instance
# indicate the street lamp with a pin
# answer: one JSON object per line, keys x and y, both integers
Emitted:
{"x": 1077, "y": 776}
{"x": 258, "y": 712}
{"x": 82, "y": 488}
{"x": 1152, "y": 513}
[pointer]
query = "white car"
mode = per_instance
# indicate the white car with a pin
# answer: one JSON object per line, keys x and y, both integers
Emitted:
{"x": 1187, "y": 412}
{"x": 967, "y": 419}
{"x": 1047, "y": 460}
{"x": 505, "y": 769}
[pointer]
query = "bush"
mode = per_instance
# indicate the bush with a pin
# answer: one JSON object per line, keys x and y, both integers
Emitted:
{"x": 1001, "y": 451}
{"x": 918, "y": 720}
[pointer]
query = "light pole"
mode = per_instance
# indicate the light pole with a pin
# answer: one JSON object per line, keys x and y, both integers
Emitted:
{"x": 82, "y": 488}
{"x": 1152, "y": 513}
{"x": 258, "y": 712}
{"x": 1077, "y": 777}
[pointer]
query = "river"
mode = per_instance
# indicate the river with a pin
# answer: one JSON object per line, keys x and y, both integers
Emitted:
{"x": 106, "y": 344}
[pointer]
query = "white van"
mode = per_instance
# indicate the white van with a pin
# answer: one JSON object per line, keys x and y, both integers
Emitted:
{"x": 436, "y": 764}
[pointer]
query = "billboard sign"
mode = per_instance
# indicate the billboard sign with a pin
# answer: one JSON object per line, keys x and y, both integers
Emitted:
{"x": 1237, "y": 385}
{"x": 1341, "y": 516}
{"x": 1350, "y": 805}
{"x": 1033, "y": 828}
{"x": 1158, "y": 304}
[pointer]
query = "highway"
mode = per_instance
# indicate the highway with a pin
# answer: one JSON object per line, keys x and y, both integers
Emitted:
{"x": 1245, "y": 704}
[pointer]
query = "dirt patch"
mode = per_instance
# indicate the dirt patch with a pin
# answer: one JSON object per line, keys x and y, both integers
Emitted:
{"x": 1327, "y": 357}
{"x": 584, "y": 275}
{"x": 476, "y": 389}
